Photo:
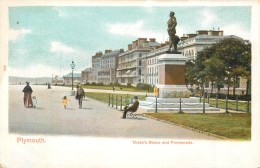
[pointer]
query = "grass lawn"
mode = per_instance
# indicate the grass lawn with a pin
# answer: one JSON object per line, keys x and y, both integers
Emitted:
{"x": 235, "y": 126}
{"x": 242, "y": 105}
{"x": 104, "y": 97}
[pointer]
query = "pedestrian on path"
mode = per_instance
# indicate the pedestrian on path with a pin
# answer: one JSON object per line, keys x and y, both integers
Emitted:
{"x": 34, "y": 101}
{"x": 80, "y": 95}
{"x": 27, "y": 96}
{"x": 132, "y": 108}
{"x": 65, "y": 101}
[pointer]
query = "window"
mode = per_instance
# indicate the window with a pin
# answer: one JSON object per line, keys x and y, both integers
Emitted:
{"x": 140, "y": 62}
{"x": 140, "y": 54}
{"x": 139, "y": 71}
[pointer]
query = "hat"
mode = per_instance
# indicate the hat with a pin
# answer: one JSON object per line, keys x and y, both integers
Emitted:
{"x": 135, "y": 97}
{"x": 27, "y": 82}
{"x": 79, "y": 85}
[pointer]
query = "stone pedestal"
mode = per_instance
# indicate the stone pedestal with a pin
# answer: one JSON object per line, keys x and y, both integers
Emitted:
{"x": 172, "y": 76}
{"x": 172, "y": 87}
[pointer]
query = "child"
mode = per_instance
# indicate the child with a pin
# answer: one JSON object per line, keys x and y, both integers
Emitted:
{"x": 34, "y": 101}
{"x": 65, "y": 101}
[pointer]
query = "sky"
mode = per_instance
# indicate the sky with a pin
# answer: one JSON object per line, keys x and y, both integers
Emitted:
{"x": 44, "y": 40}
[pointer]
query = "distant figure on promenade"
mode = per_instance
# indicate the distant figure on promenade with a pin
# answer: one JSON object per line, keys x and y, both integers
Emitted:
{"x": 156, "y": 91}
{"x": 27, "y": 96}
{"x": 80, "y": 94}
{"x": 113, "y": 88}
{"x": 65, "y": 101}
{"x": 132, "y": 108}
{"x": 49, "y": 85}
{"x": 34, "y": 101}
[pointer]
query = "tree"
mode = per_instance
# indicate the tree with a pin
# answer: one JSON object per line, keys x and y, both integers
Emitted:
{"x": 222, "y": 63}
{"x": 232, "y": 52}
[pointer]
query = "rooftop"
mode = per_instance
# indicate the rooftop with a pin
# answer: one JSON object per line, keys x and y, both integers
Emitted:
{"x": 110, "y": 54}
{"x": 76, "y": 75}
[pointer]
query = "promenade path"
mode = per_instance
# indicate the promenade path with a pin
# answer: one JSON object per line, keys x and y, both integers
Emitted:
{"x": 95, "y": 119}
{"x": 117, "y": 92}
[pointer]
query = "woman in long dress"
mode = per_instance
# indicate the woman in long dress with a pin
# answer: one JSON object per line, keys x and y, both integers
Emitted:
{"x": 27, "y": 96}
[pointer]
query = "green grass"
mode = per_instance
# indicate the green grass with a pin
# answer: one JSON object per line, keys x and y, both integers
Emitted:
{"x": 235, "y": 126}
{"x": 105, "y": 87}
{"x": 104, "y": 97}
{"x": 242, "y": 105}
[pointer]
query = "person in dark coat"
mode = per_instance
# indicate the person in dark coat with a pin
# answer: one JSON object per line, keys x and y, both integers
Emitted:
{"x": 80, "y": 94}
{"x": 132, "y": 108}
{"x": 27, "y": 96}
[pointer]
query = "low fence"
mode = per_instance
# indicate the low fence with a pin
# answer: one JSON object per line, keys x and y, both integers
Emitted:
{"x": 237, "y": 105}
{"x": 118, "y": 102}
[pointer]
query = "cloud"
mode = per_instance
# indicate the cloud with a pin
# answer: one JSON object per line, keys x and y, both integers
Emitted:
{"x": 132, "y": 29}
{"x": 38, "y": 70}
{"x": 14, "y": 34}
{"x": 59, "y": 47}
{"x": 237, "y": 29}
{"x": 208, "y": 18}
{"x": 136, "y": 29}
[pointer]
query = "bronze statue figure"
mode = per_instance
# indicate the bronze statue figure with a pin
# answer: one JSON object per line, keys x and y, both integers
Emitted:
{"x": 174, "y": 39}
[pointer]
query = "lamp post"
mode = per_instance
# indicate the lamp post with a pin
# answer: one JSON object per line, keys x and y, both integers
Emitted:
{"x": 72, "y": 67}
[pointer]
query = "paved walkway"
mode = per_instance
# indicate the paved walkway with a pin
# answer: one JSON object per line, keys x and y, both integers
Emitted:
{"x": 95, "y": 119}
{"x": 117, "y": 92}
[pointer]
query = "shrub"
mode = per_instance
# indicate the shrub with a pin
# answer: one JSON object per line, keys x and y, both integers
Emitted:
{"x": 129, "y": 85}
{"x": 100, "y": 84}
{"x": 140, "y": 86}
{"x": 117, "y": 84}
{"x": 231, "y": 97}
{"x": 87, "y": 83}
{"x": 93, "y": 83}
{"x": 111, "y": 84}
{"x": 144, "y": 86}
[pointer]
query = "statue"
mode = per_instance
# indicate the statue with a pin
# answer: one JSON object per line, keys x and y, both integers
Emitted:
{"x": 174, "y": 39}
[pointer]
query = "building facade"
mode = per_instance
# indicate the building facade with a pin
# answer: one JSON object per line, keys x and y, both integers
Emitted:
{"x": 96, "y": 63}
{"x": 108, "y": 66}
{"x": 76, "y": 78}
{"x": 86, "y": 75}
{"x": 131, "y": 66}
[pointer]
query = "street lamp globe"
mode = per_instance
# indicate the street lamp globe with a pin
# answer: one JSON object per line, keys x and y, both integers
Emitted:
{"x": 72, "y": 65}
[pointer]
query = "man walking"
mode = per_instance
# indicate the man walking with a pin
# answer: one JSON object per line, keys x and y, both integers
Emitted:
{"x": 80, "y": 95}
{"x": 132, "y": 108}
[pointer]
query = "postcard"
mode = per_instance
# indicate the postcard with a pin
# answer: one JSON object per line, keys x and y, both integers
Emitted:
{"x": 129, "y": 84}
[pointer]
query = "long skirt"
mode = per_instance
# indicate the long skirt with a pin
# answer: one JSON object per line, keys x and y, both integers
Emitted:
{"x": 27, "y": 100}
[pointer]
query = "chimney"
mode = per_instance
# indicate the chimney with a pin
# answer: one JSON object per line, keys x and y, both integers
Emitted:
{"x": 146, "y": 44}
{"x": 191, "y": 35}
{"x": 134, "y": 44}
{"x": 122, "y": 50}
{"x": 140, "y": 41}
{"x": 98, "y": 54}
{"x": 163, "y": 45}
{"x": 184, "y": 38}
{"x": 108, "y": 51}
{"x": 201, "y": 32}
{"x": 152, "y": 39}
{"x": 130, "y": 47}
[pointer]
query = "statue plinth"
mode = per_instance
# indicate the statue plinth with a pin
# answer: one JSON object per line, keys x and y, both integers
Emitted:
{"x": 171, "y": 83}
